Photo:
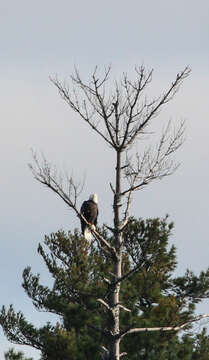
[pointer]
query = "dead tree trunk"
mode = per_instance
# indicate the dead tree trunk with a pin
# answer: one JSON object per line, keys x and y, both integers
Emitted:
{"x": 114, "y": 348}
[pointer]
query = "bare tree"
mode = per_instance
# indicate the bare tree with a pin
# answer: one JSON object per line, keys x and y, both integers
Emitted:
{"x": 120, "y": 116}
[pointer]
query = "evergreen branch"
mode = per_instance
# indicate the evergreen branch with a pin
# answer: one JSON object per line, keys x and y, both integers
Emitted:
{"x": 101, "y": 331}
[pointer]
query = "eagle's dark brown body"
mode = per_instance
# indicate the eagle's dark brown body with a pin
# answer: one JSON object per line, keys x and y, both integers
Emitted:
{"x": 89, "y": 210}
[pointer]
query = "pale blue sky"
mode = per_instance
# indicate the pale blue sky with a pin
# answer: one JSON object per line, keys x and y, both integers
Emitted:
{"x": 43, "y": 38}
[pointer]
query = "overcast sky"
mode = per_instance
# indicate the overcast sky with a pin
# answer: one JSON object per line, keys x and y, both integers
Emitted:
{"x": 44, "y": 38}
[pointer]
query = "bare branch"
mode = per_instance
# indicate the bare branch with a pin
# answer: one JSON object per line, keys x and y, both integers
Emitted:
{"x": 154, "y": 164}
{"x": 104, "y": 353}
{"x": 131, "y": 272}
{"x": 112, "y": 230}
{"x": 112, "y": 188}
{"x": 104, "y": 303}
{"x": 132, "y": 181}
{"x": 107, "y": 281}
{"x": 104, "y": 108}
{"x": 152, "y": 108}
{"x": 81, "y": 107}
{"x": 123, "y": 354}
{"x": 122, "y": 114}
{"x": 165, "y": 328}
{"x": 43, "y": 173}
{"x": 133, "y": 91}
{"x": 137, "y": 187}
{"x": 124, "y": 308}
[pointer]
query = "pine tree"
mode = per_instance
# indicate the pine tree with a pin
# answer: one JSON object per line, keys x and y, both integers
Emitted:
{"x": 13, "y": 355}
{"x": 153, "y": 294}
{"x": 119, "y": 288}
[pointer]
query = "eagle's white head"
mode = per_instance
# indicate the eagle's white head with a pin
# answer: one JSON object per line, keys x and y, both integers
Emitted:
{"x": 94, "y": 198}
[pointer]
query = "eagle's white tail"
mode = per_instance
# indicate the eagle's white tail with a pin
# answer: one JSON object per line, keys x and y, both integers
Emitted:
{"x": 87, "y": 233}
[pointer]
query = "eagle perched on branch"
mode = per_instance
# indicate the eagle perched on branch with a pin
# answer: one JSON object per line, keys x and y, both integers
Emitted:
{"x": 89, "y": 210}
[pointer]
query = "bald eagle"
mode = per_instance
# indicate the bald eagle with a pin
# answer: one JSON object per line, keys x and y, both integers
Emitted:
{"x": 89, "y": 210}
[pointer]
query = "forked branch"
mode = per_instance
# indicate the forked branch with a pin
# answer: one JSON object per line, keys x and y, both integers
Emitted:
{"x": 121, "y": 114}
{"x": 155, "y": 164}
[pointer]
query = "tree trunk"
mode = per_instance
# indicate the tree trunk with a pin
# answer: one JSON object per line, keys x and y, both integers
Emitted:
{"x": 114, "y": 346}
